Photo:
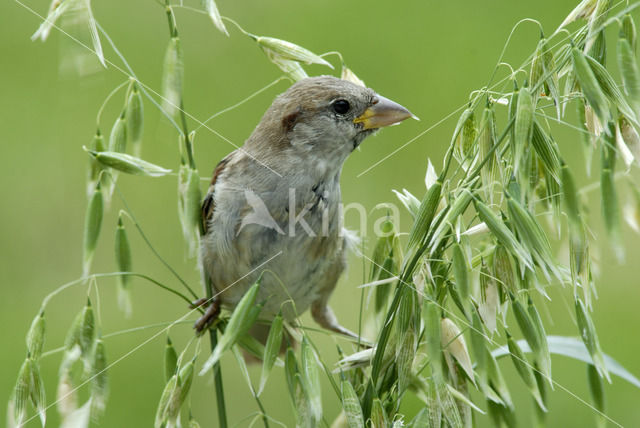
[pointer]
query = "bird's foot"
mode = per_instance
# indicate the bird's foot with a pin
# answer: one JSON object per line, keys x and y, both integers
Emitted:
{"x": 210, "y": 314}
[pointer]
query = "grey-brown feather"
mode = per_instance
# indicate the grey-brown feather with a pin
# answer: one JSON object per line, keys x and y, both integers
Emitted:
{"x": 306, "y": 143}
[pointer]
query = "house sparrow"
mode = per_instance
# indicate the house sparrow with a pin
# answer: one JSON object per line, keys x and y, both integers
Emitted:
{"x": 277, "y": 199}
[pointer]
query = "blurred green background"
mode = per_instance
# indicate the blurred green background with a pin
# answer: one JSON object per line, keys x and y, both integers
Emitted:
{"x": 427, "y": 55}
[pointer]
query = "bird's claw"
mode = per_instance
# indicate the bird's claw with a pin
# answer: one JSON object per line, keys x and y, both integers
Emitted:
{"x": 210, "y": 314}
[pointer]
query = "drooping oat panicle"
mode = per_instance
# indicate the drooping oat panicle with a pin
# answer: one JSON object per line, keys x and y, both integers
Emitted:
{"x": 134, "y": 116}
{"x": 242, "y": 318}
{"x": 35, "y": 336}
{"x": 214, "y": 14}
{"x": 271, "y": 350}
{"x": 590, "y": 338}
{"x": 92, "y": 225}
{"x": 172, "y": 77}
{"x": 124, "y": 264}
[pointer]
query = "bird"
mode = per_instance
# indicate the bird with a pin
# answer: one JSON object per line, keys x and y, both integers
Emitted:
{"x": 273, "y": 208}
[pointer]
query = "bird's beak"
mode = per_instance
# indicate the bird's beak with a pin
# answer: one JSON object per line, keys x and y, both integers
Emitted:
{"x": 383, "y": 112}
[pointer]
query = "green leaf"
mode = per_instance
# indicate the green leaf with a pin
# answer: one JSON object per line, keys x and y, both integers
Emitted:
{"x": 575, "y": 348}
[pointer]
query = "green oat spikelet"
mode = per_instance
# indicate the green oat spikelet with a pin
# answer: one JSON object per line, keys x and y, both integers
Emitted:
{"x": 173, "y": 77}
{"x": 271, "y": 350}
{"x": 92, "y": 225}
{"x": 351, "y": 405}
{"x": 170, "y": 360}
{"x": 35, "y": 336}
{"x": 214, "y": 14}
{"x": 134, "y": 116}
{"x": 242, "y": 318}
{"x": 590, "y": 338}
{"x": 124, "y": 264}
{"x": 128, "y": 164}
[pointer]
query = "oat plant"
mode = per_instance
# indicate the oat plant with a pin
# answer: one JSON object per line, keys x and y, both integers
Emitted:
{"x": 444, "y": 309}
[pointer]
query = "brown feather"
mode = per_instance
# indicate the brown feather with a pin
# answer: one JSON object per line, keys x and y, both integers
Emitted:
{"x": 208, "y": 204}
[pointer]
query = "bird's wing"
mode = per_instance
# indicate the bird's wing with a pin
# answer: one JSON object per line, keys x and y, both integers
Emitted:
{"x": 208, "y": 205}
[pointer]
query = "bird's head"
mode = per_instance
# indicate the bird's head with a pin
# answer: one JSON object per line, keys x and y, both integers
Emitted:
{"x": 324, "y": 118}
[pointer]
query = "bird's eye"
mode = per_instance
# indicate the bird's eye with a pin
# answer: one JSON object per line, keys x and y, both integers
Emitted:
{"x": 341, "y": 106}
